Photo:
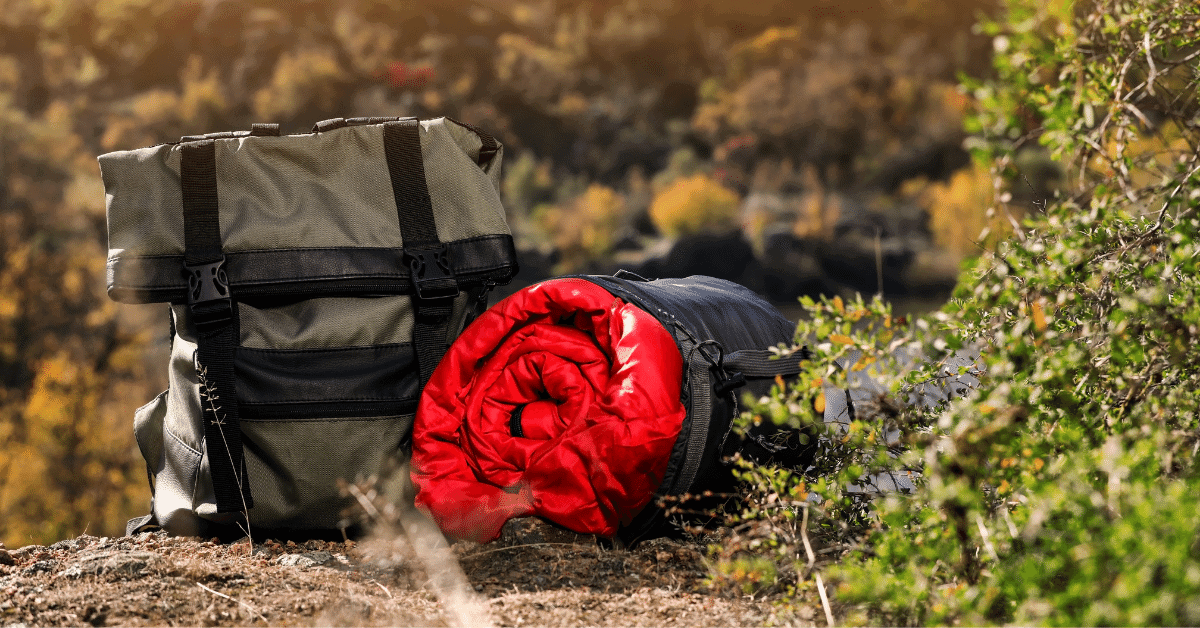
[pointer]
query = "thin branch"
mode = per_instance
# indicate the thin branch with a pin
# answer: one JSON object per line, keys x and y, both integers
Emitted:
{"x": 987, "y": 539}
{"x": 1170, "y": 197}
{"x": 1138, "y": 113}
{"x": 825, "y": 601}
{"x": 385, "y": 589}
{"x": 1177, "y": 62}
{"x": 516, "y": 547}
{"x": 209, "y": 392}
{"x": 1150, "y": 59}
{"x": 812, "y": 558}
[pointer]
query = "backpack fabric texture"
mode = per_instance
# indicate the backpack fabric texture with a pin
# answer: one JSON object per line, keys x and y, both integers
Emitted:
{"x": 596, "y": 401}
{"x": 314, "y": 282}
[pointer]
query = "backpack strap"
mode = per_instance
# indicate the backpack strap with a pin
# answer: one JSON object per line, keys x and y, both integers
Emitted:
{"x": 214, "y": 317}
{"x": 428, "y": 258}
{"x": 760, "y": 363}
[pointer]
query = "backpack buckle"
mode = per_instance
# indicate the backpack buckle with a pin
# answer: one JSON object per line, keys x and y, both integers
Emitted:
{"x": 208, "y": 294}
{"x": 430, "y": 271}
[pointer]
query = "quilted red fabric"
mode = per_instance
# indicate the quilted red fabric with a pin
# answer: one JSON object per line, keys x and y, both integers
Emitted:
{"x": 594, "y": 383}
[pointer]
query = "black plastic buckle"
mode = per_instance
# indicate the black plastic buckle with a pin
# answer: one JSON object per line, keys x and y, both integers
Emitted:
{"x": 729, "y": 384}
{"x": 208, "y": 295}
{"x": 431, "y": 273}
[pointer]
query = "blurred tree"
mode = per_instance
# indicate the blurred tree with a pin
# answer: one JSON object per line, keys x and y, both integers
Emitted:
{"x": 70, "y": 372}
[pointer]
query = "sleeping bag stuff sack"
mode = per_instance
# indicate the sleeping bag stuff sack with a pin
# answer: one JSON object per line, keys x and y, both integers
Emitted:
{"x": 314, "y": 281}
{"x": 590, "y": 400}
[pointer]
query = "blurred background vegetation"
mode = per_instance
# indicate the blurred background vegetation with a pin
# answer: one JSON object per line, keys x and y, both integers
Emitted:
{"x": 791, "y": 141}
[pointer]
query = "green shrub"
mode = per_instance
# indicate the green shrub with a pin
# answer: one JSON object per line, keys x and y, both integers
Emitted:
{"x": 1063, "y": 490}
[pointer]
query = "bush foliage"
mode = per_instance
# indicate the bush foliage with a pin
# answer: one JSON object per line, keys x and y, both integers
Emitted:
{"x": 1063, "y": 488}
{"x": 694, "y": 205}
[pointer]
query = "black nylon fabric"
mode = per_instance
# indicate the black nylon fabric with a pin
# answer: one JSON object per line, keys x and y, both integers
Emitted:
{"x": 710, "y": 308}
{"x": 325, "y": 383}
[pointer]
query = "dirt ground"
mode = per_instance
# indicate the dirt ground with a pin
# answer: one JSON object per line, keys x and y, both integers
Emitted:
{"x": 535, "y": 575}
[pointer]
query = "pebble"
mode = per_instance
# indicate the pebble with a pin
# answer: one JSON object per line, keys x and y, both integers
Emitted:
{"x": 41, "y": 566}
{"x": 5, "y": 557}
{"x": 308, "y": 559}
{"x": 63, "y": 545}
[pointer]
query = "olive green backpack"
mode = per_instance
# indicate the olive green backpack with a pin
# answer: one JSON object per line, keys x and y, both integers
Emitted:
{"x": 314, "y": 282}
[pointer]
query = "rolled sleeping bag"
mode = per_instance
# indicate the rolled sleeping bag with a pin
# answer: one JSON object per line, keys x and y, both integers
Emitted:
{"x": 586, "y": 400}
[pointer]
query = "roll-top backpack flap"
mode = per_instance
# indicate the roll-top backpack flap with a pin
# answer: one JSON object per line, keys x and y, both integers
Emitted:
{"x": 302, "y": 210}
{"x": 315, "y": 281}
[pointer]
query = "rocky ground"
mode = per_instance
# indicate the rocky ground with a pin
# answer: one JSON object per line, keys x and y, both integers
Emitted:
{"x": 535, "y": 575}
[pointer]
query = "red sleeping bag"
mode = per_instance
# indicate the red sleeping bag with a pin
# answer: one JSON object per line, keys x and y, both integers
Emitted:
{"x": 562, "y": 402}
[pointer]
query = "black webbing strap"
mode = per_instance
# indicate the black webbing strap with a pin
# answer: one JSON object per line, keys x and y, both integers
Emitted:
{"x": 216, "y": 329}
{"x": 756, "y": 363}
{"x": 428, "y": 259}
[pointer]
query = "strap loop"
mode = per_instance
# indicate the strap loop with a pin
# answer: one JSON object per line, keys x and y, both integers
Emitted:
{"x": 264, "y": 129}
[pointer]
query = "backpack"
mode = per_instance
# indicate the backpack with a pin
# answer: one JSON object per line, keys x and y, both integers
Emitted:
{"x": 598, "y": 401}
{"x": 314, "y": 282}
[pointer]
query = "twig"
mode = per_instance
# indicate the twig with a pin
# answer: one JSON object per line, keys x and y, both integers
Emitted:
{"x": 513, "y": 547}
{"x": 812, "y": 558}
{"x": 1162, "y": 213}
{"x": 385, "y": 589}
{"x": 879, "y": 259}
{"x": 987, "y": 539}
{"x": 1150, "y": 59}
{"x": 208, "y": 391}
{"x": 248, "y": 607}
{"x": 365, "y": 502}
{"x": 804, "y": 537}
{"x": 824, "y": 600}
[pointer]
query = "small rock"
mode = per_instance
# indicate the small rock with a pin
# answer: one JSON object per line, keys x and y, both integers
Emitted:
{"x": 29, "y": 550}
{"x": 65, "y": 544}
{"x": 41, "y": 566}
{"x": 308, "y": 559}
{"x": 295, "y": 560}
{"x": 5, "y": 557}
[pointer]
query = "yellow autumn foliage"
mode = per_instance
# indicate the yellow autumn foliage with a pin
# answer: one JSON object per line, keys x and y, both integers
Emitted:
{"x": 309, "y": 79}
{"x": 958, "y": 211}
{"x": 73, "y": 468}
{"x": 585, "y": 228}
{"x": 693, "y": 205}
